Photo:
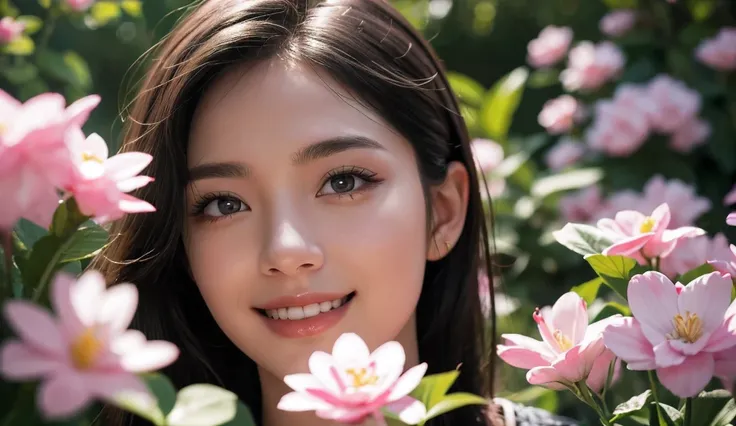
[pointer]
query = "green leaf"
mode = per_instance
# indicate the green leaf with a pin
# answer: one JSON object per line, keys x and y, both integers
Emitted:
{"x": 714, "y": 407}
{"x": 105, "y": 11}
{"x": 67, "y": 67}
{"x": 40, "y": 258}
{"x": 243, "y": 417}
{"x": 20, "y": 73}
{"x": 133, "y": 8}
{"x": 466, "y": 89}
{"x": 85, "y": 243}
{"x": 29, "y": 233}
{"x": 690, "y": 275}
{"x": 720, "y": 144}
{"x": 616, "y": 271}
{"x": 454, "y": 401}
{"x": 501, "y": 103}
{"x": 582, "y": 239}
{"x": 21, "y": 46}
{"x": 612, "y": 308}
{"x": 588, "y": 290}
{"x": 32, "y": 88}
{"x": 203, "y": 405}
{"x": 574, "y": 179}
{"x": 163, "y": 390}
{"x": 701, "y": 10}
{"x": 635, "y": 403}
{"x": 621, "y": 4}
{"x": 433, "y": 388}
{"x": 67, "y": 219}
{"x": 45, "y": 3}
{"x": 726, "y": 415}
{"x": 542, "y": 78}
{"x": 32, "y": 23}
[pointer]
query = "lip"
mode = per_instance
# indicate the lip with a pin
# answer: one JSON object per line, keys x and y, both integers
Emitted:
{"x": 306, "y": 327}
{"x": 303, "y": 299}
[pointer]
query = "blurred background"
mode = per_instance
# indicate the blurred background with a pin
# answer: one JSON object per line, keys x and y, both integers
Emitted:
{"x": 484, "y": 45}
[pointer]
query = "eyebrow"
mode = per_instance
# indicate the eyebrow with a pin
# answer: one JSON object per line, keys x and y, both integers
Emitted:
{"x": 305, "y": 155}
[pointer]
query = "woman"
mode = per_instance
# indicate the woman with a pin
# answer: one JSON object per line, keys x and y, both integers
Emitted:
{"x": 306, "y": 154}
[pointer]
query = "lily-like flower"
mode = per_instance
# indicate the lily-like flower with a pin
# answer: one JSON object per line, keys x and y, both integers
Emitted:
{"x": 85, "y": 352}
{"x": 353, "y": 384}
{"x": 571, "y": 350}
{"x": 101, "y": 183}
{"x": 726, "y": 266}
{"x": 637, "y": 235}
{"x": 675, "y": 329}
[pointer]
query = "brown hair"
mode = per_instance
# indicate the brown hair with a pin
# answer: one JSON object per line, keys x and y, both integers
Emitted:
{"x": 372, "y": 50}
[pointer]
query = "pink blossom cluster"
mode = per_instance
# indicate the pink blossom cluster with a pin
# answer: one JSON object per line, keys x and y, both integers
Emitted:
{"x": 566, "y": 152}
{"x": 550, "y": 46}
{"x": 10, "y": 29}
{"x": 43, "y": 151}
{"x": 590, "y": 66}
{"x": 665, "y": 106}
{"x": 618, "y": 22}
{"x": 719, "y": 52}
{"x": 488, "y": 156}
{"x": 79, "y": 5}
{"x": 559, "y": 115}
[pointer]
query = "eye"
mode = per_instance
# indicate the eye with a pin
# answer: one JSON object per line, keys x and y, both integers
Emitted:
{"x": 342, "y": 183}
{"x": 223, "y": 206}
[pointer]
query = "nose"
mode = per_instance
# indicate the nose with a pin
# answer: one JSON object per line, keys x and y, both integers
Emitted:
{"x": 288, "y": 252}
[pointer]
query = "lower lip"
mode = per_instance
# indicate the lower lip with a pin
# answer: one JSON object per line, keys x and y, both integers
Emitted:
{"x": 307, "y": 327}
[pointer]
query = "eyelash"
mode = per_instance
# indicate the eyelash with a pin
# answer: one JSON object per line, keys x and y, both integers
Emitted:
{"x": 359, "y": 172}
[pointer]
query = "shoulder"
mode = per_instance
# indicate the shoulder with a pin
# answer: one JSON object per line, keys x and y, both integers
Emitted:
{"x": 520, "y": 415}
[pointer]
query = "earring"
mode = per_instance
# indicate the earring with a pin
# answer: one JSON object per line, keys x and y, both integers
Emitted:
{"x": 448, "y": 246}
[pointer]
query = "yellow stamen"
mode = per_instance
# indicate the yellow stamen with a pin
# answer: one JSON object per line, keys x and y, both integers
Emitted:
{"x": 562, "y": 340}
{"x": 647, "y": 225}
{"x": 86, "y": 349}
{"x": 88, "y": 156}
{"x": 361, "y": 377}
{"x": 689, "y": 329}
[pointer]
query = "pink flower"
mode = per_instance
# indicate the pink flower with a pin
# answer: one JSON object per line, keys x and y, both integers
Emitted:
{"x": 685, "y": 204}
{"x": 723, "y": 265}
{"x": 582, "y": 206}
{"x": 635, "y": 234}
{"x": 693, "y": 252}
{"x": 79, "y": 5}
{"x": 621, "y": 124}
{"x": 34, "y": 155}
{"x": 689, "y": 135}
{"x": 353, "y": 384}
{"x": 730, "y": 198}
{"x": 10, "y": 29}
{"x": 570, "y": 351}
{"x": 590, "y": 65}
{"x": 102, "y": 182}
{"x": 549, "y": 47}
{"x": 676, "y": 103}
{"x": 719, "y": 52}
{"x": 558, "y": 115}
{"x": 85, "y": 352}
{"x": 488, "y": 155}
{"x": 565, "y": 153}
{"x": 731, "y": 219}
{"x": 676, "y": 333}
{"x": 618, "y": 22}
{"x": 725, "y": 368}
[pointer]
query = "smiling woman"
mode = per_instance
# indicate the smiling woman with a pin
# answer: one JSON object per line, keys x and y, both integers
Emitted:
{"x": 313, "y": 178}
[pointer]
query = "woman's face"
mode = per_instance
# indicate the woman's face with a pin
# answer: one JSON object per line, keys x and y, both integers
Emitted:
{"x": 304, "y": 206}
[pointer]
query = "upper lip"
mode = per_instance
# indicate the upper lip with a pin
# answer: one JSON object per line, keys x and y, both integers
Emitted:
{"x": 303, "y": 299}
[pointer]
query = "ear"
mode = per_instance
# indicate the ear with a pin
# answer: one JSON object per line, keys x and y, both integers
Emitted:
{"x": 449, "y": 207}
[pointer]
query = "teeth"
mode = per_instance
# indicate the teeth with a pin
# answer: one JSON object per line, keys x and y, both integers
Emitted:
{"x": 301, "y": 312}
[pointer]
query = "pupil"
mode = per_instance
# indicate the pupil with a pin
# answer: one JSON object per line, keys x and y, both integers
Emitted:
{"x": 344, "y": 183}
{"x": 227, "y": 206}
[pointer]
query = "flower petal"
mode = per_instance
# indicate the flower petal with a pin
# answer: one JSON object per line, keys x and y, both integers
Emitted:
{"x": 34, "y": 326}
{"x": 301, "y": 382}
{"x": 388, "y": 359}
{"x": 682, "y": 232}
{"x": 130, "y": 204}
{"x": 627, "y": 341}
{"x": 63, "y": 396}
{"x": 689, "y": 378}
{"x": 545, "y": 376}
{"x": 295, "y": 401}
{"x": 135, "y": 182}
{"x": 731, "y": 219}
{"x": 599, "y": 372}
{"x": 408, "y": 382}
{"x": 629, "y": 221}
{"x": 661, "y": 216}
{"x": 61, "y": 301}
{"x": 153, "y": 356}
{"x": 349, "y": 348}
{"x": 708, "y": 296}
{"x": 20, "y": 362}
{"x": 322, "y": 366}
{"x": 118, "y": 307}
{"x": 724, "y": 337}
{"x": 533, "y": 345}
{"x": 86, "y": 295}
{"x": 570, "y": 316}
{"x": 409, "y": 410}
{"x": 78, "y": 112}
{"x": 628, "y": 245}
{"x": 653, "y": 301}
{"x": 666, "y": 356}
{"x": 126, "y": 165}
{"x": 725, "y": 363}
{"x": 95, "y": 145}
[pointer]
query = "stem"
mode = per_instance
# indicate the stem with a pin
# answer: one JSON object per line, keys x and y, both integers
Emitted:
{"x": 587, "y": 397}
{"x": 688, "y": 412}
{"x": 51, "y": 17}
{"x": 653, "y": 383}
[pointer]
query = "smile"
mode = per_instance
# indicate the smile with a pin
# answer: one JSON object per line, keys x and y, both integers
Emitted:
{"x": 305, "y": 316}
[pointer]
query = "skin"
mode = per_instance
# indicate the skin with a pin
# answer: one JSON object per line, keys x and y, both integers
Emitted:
{"x": 288, "y": 231}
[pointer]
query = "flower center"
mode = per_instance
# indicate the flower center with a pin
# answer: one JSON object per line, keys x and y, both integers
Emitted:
{"x": 86, "y": 349}
{"x": 562, "y": 340}
{"x": 647, "y": 225}
{"x": 361, "y": 377}
{"x": 688, "y": 329}
{"x": 88, "y": 156}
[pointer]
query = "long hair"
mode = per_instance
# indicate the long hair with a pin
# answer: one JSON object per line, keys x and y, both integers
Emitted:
{"x": 368, "y": 47}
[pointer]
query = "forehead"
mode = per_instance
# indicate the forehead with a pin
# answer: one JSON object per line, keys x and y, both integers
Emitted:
{"x": 277, "y": 103}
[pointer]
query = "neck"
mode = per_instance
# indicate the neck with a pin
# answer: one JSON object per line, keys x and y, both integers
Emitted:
{"x": 273, "y": 388}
